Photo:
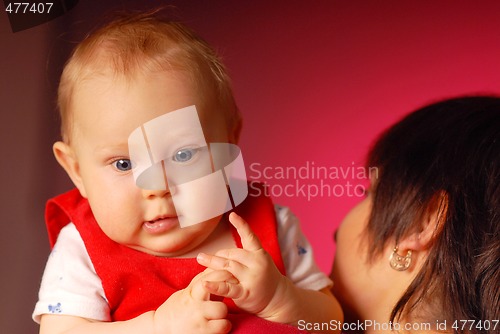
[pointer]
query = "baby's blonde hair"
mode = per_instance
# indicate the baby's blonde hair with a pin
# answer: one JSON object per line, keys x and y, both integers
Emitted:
{"x": 144, "y": 43}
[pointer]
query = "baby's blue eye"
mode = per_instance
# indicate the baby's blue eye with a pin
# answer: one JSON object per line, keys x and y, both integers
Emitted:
{"x": 123, "y": 165}
{"x": 184, "y": 155}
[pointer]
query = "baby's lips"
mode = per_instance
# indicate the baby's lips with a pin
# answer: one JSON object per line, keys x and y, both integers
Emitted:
{"x": 160, "y": 225}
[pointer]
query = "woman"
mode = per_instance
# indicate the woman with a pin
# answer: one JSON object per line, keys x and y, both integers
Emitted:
{"x": 422, "y": 252}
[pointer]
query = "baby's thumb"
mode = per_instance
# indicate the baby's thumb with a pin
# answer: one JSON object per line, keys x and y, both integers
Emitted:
{"x": 197, "y": 290}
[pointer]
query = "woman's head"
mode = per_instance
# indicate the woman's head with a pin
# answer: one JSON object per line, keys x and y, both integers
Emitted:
{"x": 437, "y": 195}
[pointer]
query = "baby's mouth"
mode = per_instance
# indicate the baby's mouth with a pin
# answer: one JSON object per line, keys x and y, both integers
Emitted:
{"x": 160, "y": 224}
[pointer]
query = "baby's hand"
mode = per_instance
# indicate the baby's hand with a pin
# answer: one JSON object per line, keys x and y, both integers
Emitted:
{"x": 191, "y": 311}
{"x": 261, "y": 289}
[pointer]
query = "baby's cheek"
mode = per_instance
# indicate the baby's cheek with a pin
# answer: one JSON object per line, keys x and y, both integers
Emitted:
{"x": 115, "y": 224}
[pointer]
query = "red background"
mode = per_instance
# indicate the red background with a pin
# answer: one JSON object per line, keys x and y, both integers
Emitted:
{"x": 316, "y": 81}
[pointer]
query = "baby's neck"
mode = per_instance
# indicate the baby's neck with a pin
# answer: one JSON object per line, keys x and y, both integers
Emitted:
{"x": 221, "y": 238}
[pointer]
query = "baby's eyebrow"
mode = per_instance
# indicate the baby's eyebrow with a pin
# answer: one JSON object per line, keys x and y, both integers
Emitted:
{"x": 112, "y": 149}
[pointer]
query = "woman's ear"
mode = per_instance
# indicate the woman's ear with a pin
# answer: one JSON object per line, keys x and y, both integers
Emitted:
{"x": 431, "y": 225}
{"x": 67, "y": 159}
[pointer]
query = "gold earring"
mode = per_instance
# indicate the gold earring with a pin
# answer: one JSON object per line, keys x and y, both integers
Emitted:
{"x": 398, "y": 262}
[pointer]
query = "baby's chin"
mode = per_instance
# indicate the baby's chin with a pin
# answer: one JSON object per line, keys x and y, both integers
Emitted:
{"x": 183, "y": 242}
{"x": 173, "y": 245}
{"x": 165, "y": 252}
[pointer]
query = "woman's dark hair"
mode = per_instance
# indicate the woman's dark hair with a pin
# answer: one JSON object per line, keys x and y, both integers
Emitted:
{"x": 444, "y": 155}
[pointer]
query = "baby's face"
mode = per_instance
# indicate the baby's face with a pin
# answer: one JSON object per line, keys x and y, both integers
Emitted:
{"x": 106, "y": 109}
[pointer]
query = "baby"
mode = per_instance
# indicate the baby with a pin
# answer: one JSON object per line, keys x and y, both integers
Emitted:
{"x": 122, "y": 260}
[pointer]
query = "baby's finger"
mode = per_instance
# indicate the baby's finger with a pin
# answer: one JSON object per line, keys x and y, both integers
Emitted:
{"x": 249, "y": 240}
{"x": 196, "y": 289}
{"x": 198, "y": 292}
{"x": 219, "y": 276}
{"x": 214, "y": 310}
{"x": 240, "y": 255}
{"x": 218, "y": 263}
{"x": 224, "y": 289}
{"x": 219, "y": 326}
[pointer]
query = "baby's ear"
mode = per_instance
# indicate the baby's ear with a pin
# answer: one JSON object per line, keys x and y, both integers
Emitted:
{"x": 431, "y": 224}
{"x": 67, "y": 159}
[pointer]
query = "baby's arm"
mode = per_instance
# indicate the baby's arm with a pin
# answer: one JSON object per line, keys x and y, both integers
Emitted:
{"x": 186, "y": 311}
{"x": 58, "y": 324}
{"x": 262, "y": 290}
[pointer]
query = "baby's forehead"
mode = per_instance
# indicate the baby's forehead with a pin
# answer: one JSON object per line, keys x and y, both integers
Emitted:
{"x": 140, "y": 98}
{"x": 97, "y": 76}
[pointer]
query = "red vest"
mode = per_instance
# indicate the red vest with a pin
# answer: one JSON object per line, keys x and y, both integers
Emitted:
{"x": 135, "y": 282}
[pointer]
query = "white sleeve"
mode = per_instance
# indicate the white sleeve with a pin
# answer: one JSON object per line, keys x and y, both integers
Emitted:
{"x": 297, "y": 253}
{"x": 70, "y": 285}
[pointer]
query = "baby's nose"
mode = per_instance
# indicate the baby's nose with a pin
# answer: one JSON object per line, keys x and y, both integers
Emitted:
{"x": 153, "y": 179}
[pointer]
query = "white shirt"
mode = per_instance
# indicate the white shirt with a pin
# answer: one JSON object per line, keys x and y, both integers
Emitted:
{"x": 70, "y": 285}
